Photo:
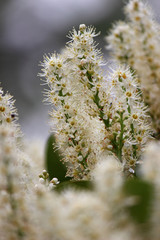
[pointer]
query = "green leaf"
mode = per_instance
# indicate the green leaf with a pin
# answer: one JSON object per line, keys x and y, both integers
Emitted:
{"x": 53, "y": 162}
{"x": 77, "y": 185}
{"x": 141, "y": 210}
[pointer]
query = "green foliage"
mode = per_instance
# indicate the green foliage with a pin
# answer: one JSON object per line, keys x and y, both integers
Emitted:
{"x": 53, "y": 161}
{"x": 143, "y": 191}
{"x": 77, "y": 185}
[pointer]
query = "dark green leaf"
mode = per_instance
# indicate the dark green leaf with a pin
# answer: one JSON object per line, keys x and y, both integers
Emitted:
{"x": 53, "y": 163}
{"x": 143, "y": 191}
{"x": 78, "y": 185}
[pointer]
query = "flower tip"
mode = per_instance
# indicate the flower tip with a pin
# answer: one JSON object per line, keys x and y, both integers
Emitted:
{"x": 82, "y": 27}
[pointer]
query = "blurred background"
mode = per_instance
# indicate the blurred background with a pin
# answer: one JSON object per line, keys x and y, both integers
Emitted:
{"x": 31, "y": 28}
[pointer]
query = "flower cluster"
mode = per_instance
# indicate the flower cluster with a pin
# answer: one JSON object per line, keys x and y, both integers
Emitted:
{"x": 35, "y": 213}
{"x": 43, "y": 179}
{"x": 15, "y": 222}
{"x": 88, "y": 214}
{"x": 78, "y": 129}
{"x": 16, "y": 176}
{"x": 125, "y": 116}
{"x": 95, "y": 114}
{"x": 136, "y": 42}
{"x": 102, "y": 212}
{"x": 8, "y": 113}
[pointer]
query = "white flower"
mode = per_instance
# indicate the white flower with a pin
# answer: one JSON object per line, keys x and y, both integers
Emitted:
{"x": 54, "y": 181}
{"x": 41, "y": 180}
{"x": 94, "y": 111}
{"x": 136, "y": 42}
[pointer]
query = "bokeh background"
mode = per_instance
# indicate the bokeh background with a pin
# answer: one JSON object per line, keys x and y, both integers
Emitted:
{"x": 31, "y": 28}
